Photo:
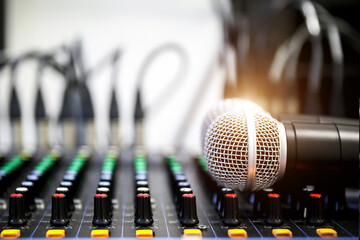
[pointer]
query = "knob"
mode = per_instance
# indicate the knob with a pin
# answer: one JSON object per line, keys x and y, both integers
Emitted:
{"x": 220, "y": 199}
{"x": 105, "y": 184}
{"x": 142, "y": 184}
{"x": 315, "y": 214}
{"x": 143, "y": 212}
{"x": 70, "y": 177}
{"x": 69, "y": 200}
{"x": 105, "y": 190}
{"x": 16, "y": 210}
{"x": 216, "y": 193}
{"x": 178, "y": 186}
{"x": 59, "y": 215}
{"x": 260, "y": 202}
{"x": 182, "y": 185}
{"x": 142, "y": 190}
{"x": 188, "y": 214}
{"x": 231, "y": 210}
{"x": 106, "y": 177}
{"x": 178, "y": 199}
{"x": 179, "y": 178}
{"x": 31, "y": 199}
{"x": 67, "y": 184}
{"x": 36, "y": 183}
{"x": 274, "y": 209}
{"x": 141, "y": 177}
{"x": 25, "y": 192}
{"x": 101, "y": 210}
{"x": 303, "y": 202}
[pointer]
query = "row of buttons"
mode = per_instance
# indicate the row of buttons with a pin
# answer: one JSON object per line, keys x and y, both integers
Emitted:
{"x": 148, "y": 233}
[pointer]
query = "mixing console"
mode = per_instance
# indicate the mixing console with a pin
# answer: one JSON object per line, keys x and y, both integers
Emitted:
{"x": 135, "y": 195}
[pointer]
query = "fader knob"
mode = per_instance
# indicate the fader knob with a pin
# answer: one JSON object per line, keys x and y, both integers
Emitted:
{"x": 25, "y": 192}
{"x": 69, "y": 200}
{"x": 315, "y": 209}
{"x": 142, "y": 184}
{"x": 274, "y": 209}
{"x": 188, "y": 214}
{"x": 101, "y": 210}
{"x": 16, "y": 210}
{"x": 105, "y": 190}
{"x": 178, "y": 198}
{"x": 220, "y": 199}
{"x": 142, "y": 190}
{"x": 231, "y": 210}
{"x": 143, "y": 212}
{"x": 59, "y": 215}
{"x": 105, "y": 184}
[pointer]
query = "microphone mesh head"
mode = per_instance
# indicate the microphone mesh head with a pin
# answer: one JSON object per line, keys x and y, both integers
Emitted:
{"x": 226, "y": 149}
{"x": 226, "y": 105}
{"x": 242, "y": 149}
{"x": 267, "y": 151}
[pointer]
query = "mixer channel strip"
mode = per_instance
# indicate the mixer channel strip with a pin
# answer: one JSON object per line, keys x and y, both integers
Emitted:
{"x": 152, "y": 197}
{"x": 266, "y": 215}
{"x": 12, "y": 168}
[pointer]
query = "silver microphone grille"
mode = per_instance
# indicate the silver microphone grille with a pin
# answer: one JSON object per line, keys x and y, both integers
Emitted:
{"x": 226, "y": 105}
{"x": 245, "y": 150}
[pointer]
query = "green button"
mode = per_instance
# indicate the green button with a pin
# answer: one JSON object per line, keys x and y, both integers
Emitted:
{"x": 6, "y": 169}
{"x": 109, "y": 158}
{"x": 172, "y": 159}
{"x": 176, "y": 169}
{"x": 140, "y": 168}
{"x": 41, "y": 169}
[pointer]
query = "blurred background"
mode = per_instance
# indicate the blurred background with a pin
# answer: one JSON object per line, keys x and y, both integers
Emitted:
{"x": 120, "y": 73}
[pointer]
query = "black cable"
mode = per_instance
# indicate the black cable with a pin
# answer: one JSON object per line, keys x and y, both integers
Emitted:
{"x": 140, "y": 109}
{"x": 112, "y": 59}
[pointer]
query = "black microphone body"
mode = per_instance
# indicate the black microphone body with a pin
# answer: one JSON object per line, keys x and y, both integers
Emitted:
{"x": 322, "y": 149}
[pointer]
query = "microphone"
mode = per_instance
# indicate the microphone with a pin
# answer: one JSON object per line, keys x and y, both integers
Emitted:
{"x": 250, "y": 150}
{"x": 223, "y": 106}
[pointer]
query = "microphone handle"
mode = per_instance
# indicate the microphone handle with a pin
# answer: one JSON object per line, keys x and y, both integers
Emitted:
{"x": 319, "y": 145}
{"x": 303, "y": 118}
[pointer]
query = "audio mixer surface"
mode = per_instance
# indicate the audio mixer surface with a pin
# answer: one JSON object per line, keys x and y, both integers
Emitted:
{"x": 149, "y": 197}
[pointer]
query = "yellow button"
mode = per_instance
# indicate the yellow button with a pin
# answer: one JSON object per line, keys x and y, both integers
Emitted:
{"x": 237, "y": 233}
{"x": 100, "y": 233}
{"x": 144, "y": 233}
{"x": 326, "y": 232}
{"x": 282, "y": 233}
{"x": 192, "y": 233}
{"x": 55, "y": 233}
{"x": 10, "y": 233}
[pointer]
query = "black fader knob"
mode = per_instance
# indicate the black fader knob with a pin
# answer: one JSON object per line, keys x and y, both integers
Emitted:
{"x": 16, "y": 210}
{"x": 220, "y": 199}
{"x": 69, "y": 200}
{"x": 142, "y": 190}
{"x": 101, "y": 210}
{"x": 231, "y": 210}
{"x": 59, "y": 215}
{"x": 143, "y": 212}
{"x": 178, "y": 199}
{"x": 188, "y": 213}
{"x": 26, "y": 195}
{"x": 315, "y": 209}
{"x": 107, "y": 185}
{"x": 274, "y": 210}
{"x": 30, "y": 186}
{"x": 105, "y": 190}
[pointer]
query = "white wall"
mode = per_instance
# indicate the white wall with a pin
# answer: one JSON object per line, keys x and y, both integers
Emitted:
{"x": 137, "y": 27}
